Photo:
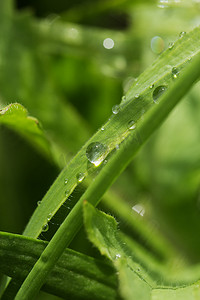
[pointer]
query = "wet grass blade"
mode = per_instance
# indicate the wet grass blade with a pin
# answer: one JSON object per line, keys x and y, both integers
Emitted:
{"x": 128, "y": 131}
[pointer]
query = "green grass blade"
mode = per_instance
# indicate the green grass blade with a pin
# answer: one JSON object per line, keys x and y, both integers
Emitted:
{"x": 116, "y": 130}
{"x": 94, "y": 278}
{"x": 106, "y": 177}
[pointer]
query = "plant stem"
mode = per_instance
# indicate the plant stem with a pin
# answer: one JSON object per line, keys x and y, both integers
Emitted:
{"x": 106, "y": 177}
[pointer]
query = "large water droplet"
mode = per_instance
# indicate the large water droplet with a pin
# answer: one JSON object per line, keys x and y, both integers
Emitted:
{"x": 175, "y": 72}
{"x": 115, "y": 109}
{"x": 96, "y": 153}
{"x": 131, "y": 125}
{"x": 158, "y": 92}
{"x": 80, "y": 176}
{"x": 45, "y": 227}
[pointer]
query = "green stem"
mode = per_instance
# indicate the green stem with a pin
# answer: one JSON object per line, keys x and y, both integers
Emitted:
{"x": 106, "y": 177}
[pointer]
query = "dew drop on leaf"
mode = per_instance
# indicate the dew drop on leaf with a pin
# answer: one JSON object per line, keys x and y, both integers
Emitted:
{"x": 66, "y": 181}
{"x": 39, "y": 202}
{"x": 67, "y": 192}
{"x": 131, "y": 125}
{"x": 96, "y": 153}
{"x": 45, "y": 227}
{"x": 117, "y": 256}
{"x": 182, "y": 33}
{"x": 151, "y": 86}
{"x": 158, "y": 92}
{"x": 49, "y": 217}
{"x": 80, "y": 176}
{"x": 175, "y": 72}
{"x": 123, "y": 98}
{"x": 137, "y": 96}
{"x": 171, "y": 45}
{"x": 115, "y": 109}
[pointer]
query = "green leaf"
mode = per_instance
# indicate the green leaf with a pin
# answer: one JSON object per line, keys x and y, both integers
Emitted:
{"x": 74, "y": 276}
{"x": 126, "y": 131}
{"x": 136, "y": 278}
{"x": 15, "y": 116}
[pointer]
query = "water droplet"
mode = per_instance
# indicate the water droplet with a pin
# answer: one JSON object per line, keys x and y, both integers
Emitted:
{"x": 171, "y": 45}
{"x": 115, "y": 109}
{"x": 67, "y": 192}
{"x": 80, "y": 176}
{"x": 123, "y": 98}
{"x": 66, "y": 181}
{"x": 117, "y": 256}
{"x": 138, "y": 270}
{"x": 157, "y": 44}
{"x": 151, "y": 86}
{"x": 131, "y": 125}
{"x": 108, "y": 43}
{"x": 182, "y": 33}
{"x": 158, "y": 92}
{"x": 39, "y": 202}
{"x": 96, "y": 153}
{"x": 137, "y": 96}
{"x": 45, "y": 227}
{"x": 102, "y": 128}
{"x": 175, "y": 72}
{"x": 117, "y": 147}
{"x": 49, "y": 217}
{"x": 139, "y": 209}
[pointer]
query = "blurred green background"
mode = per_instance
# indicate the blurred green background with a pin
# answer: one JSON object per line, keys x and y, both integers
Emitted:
{"x": 68, "y": 63}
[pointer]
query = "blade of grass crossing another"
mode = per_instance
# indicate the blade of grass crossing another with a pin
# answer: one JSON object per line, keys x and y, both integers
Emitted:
{"x": 117, "y": 163}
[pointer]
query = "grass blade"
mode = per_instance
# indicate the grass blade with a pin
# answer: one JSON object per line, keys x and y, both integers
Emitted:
{"x": 133, "y": 140}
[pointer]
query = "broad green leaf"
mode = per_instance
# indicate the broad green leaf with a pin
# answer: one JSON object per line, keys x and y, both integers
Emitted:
{"x": 136, "y": 279}
{"x": 75, "y": 275}
{"x": 15, "y": 116}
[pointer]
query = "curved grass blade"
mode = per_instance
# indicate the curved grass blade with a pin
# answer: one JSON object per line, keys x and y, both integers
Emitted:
{"x": 133, "y": 140}
{"x": 94, "y": 279}
{"x": 15, "y": 117}
{"x": 134, "y": 107}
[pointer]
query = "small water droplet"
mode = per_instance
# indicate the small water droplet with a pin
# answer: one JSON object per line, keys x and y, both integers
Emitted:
{"x": 117, "y": 147}
{"x": 66, "y": 181}
{"x": 80, "y": 176}
{"x": 175, "y": 72}
{"x": 158, "y": 92}
{"x": 39, "y": 202}
{"x": 138, "y": 270}
{"x": 45, "y": 227}
{"x": 123, "y": 98}
{"x": 117, "y": 256}
{"x": 96, "y": 153}
{"x": 67, "y": 192}
{"x": 49, "y": 217}
{"x": 151, "y": 86}
{"x": 137, "y": 96}
{"x": 115, "y": 109}
{"x": 171, "y": 45}
{"x": 182, "y": 33}
{"x": 131, "y": 125}
{"x": 102, "y": 128}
